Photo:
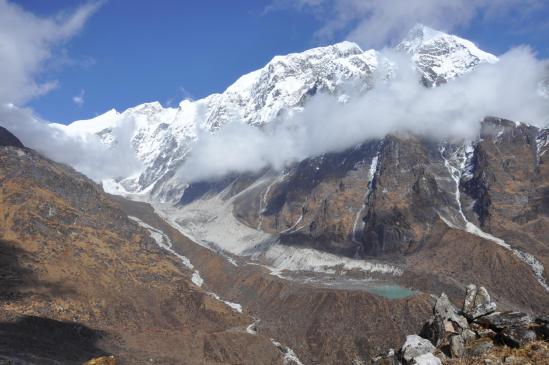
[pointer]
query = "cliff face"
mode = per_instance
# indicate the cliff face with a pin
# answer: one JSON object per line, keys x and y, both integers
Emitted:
{"x": 384, "y": 197}
{"x": 79, "y": 279}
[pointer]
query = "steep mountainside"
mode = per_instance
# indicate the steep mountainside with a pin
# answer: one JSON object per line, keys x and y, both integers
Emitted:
{"x": 79, "y": 279}
{"x": 392, "y": 205}
{"x": 161, "y": 138}
{"x": 431, "y": 209}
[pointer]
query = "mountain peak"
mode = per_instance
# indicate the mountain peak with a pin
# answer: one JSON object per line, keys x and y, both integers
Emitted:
{"x": 422, "y": 32}
{"x": 441, "y": 56}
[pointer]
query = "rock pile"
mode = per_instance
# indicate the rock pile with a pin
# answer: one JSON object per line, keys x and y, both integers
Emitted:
{"x": 467, "y": 333}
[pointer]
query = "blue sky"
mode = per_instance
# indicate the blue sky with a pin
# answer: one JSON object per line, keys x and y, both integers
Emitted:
{"x": 130, "y": 52}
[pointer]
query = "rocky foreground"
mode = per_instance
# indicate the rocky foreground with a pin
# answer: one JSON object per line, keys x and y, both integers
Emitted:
{"x": 476, "y": 334}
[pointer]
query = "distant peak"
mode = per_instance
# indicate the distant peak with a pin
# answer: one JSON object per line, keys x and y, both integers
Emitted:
{"x": 421, "y": 33}
{"x": 348, "y": 47}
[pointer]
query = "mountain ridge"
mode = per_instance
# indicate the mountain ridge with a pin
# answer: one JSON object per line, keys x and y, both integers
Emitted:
{"x": 163, "y": 137}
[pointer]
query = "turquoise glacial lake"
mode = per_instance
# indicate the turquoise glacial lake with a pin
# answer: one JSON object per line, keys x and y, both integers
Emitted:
{"x": 390, "y": 291}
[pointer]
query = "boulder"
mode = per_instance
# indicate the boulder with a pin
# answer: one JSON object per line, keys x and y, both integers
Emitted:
{"x": 457, "y": 346}
{"x": 516, "y": 336}
{"x": 479, "y": 346}
{"x": 468, "y": 335}
{"x": 426, "y": 359}
{"x": 477, "y": 302}
{"x": 445, "y": 321}
{"x": 415, "y": 346}
{"x": 501, "y": 320}
{"x": 469, "y": 301}
{"x": 448, "y": 312}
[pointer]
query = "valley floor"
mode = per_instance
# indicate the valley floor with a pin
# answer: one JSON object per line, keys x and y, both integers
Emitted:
{"x": 313, "y": 313}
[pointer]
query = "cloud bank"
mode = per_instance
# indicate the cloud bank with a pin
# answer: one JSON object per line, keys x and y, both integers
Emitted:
{"x": 507, "y": 89}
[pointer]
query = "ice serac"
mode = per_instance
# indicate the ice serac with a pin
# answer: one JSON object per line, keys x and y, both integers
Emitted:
{"x": 442, "y": 57}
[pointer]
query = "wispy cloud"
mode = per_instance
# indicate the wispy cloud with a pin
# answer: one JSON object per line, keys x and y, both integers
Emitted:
{"x": 79, "y": 99}
{"x": 28, "y": 42}
{"x": 375, "y": 23}
{"x": 182, "y": 94}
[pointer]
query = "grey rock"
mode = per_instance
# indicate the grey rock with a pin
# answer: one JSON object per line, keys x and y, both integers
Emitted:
{"x": 516, "y": 337}
{"x": 415, "y": 346}
{"x": 468, "y": 335}
{"x": 447, "y": 311}
{"x": 481, "y": 310}
{"x": 486, "y": 332}
{"x": 457, "y": 346}
{"x": 433, "y": 330}
{"x": 469, "y": 301}
{"x": 480, "y": 306}
{"x": 482, "y": 297}
{"x": 426, "y": 359}
{"x": 445, "y": 321}
{"x": 479, "y": 346}
{"x": 501, "y": 320}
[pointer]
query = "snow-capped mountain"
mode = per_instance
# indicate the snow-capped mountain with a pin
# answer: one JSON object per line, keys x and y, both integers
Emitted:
{"x": 162, "y": 137}
{"x": 440, "y": 56}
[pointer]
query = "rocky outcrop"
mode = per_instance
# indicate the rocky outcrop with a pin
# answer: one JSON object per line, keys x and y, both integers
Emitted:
{"x": 8, "y": 139}
{"x": 469, "y": 333}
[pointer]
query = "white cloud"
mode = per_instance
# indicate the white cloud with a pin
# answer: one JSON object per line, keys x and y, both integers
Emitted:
{"x": 86, "y": 154}
{"x": 28, "y": 43}
{"x": 374, "y": 23}
{"x": 453, "y": 110}
{"x": 79, "y": 99}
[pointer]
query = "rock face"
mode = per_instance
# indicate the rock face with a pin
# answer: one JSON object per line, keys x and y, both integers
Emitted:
{"x": 80, "y": 280}
{"x": 442, "y": 339}
{"x": 8, "y": 139}
{"x": 408, "y": 198}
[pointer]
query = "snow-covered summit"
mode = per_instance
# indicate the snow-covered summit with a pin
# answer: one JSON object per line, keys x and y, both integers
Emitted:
{"x": 440, "y": 56}
{"x": 162, "y": 137}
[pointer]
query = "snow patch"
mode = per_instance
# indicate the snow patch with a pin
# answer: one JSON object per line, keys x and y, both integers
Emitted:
{"x": 290, "y": 358}
{"x": 358, "y": 224}
{"x": 197, "y": 279}
{"x": 164, "y": 242}
{"x": 235, "y": 306}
